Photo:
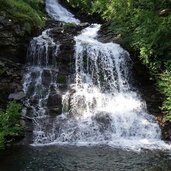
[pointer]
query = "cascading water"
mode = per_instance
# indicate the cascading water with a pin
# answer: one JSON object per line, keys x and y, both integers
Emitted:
{"x": 40, "y": 80}
{"x": 59, "y": 13}
{"x": 100, "y": 107}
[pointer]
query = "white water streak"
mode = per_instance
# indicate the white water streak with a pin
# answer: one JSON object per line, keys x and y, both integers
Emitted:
{"x": 40, "y": 81}
{"x": 59, "y": 13}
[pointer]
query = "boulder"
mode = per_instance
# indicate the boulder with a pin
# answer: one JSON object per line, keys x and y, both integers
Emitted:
{"x": 54, "y": 104}
{"x": 54, "y": 100}
{"x": 17, "y": 96}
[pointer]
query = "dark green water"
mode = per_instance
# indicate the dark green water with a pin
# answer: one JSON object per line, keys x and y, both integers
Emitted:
{"x": 72, "y": 158}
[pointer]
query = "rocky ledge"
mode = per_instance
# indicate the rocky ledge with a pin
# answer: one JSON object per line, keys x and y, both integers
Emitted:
{"x": 13, "y": 47}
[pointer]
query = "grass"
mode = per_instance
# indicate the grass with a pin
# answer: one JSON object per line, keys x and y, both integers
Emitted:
{"x": 22, "y": 11}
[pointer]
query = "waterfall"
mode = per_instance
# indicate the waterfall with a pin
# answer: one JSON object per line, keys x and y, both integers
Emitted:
{"x": 100, "y": 106}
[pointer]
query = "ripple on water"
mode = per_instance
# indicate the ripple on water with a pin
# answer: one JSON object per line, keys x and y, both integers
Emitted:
{"x": 73, "y": 158}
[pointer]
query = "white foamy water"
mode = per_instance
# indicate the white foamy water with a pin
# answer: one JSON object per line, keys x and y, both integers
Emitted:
{"x": 59, "y": 13}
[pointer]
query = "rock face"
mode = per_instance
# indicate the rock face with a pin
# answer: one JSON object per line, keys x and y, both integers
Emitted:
{"x": 14, "y": 38}
{"x": 54, "y": 104}
{"x": 166, "y": 128}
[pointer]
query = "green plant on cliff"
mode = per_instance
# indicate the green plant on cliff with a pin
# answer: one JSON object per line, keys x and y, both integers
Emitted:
{"x": 69, "y": 25}
{"x": 30, "y": 11}
{"x": 144, "y": 26}
{"x": 165, "y": 88}
{"x": 10, "y": 123}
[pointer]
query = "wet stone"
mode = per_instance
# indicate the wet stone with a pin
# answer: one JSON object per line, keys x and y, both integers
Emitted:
{"x": 54, "y": 104}
{"x": 54, "y": 100}
{"x": 17, "y": 96}
{"x": 46, "y": 77}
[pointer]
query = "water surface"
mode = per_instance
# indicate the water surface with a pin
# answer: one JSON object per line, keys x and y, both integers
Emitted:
{"x": 74, "y": 158}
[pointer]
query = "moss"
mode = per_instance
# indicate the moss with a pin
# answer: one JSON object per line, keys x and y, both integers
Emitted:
{"x": 69, "y": 25}
{"x": 61, "y": 79}
{"x": 30, "y": 11}
{"x": 27, "y": 27}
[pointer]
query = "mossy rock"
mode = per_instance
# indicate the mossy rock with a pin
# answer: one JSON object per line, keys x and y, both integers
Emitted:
{"x": 69, "y": 25}
{"x": 2, "y": 71}
{"x": 61, "y": 79}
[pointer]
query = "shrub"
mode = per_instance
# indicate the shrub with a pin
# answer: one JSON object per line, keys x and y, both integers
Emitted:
{"x": 10, "y": 122}
{"x": 164, "y": 85}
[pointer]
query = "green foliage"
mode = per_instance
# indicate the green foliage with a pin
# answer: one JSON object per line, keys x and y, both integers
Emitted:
{"x": 145, "y": 26}
{"x": 69, "y": 25}
{"x": 10, "y": 122}
{"x": 85, "y": 5}
{"x": 24, "y": 11}
{"x": 164, "y": 84}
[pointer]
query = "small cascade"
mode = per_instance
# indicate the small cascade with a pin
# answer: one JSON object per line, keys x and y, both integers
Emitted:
{"x": 40, "y": 80}
{"x": 59, "y": 13}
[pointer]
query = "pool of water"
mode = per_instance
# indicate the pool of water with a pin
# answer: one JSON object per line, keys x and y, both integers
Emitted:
{"x": 74, "y": 158}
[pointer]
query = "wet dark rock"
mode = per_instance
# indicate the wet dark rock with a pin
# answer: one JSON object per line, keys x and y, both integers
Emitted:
{"x": 146, "y": 86}
{"x": 106, "y": 35}
{"x": 62, "y": 79}
{"x": 65, "y": 56}
{"x": 14, "y": 38}
{"x": 46, "y": 78}
{"x": 54, "y": 100}
{"x": 10, "y": 79}
{"x": 166, "y": 129}
{"x": 54, "y": 104}
{"x": 5, "y": 21}
{"x": 103, "y": 120}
